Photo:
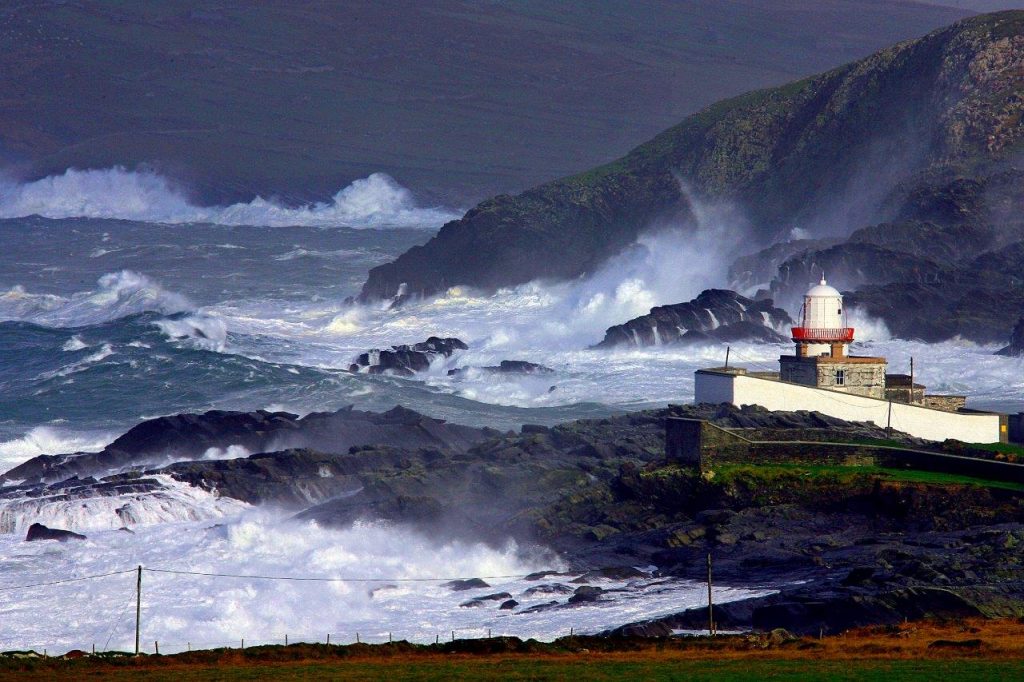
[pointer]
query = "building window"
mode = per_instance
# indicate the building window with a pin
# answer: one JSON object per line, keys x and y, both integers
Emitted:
{"x": 840, "y": 377}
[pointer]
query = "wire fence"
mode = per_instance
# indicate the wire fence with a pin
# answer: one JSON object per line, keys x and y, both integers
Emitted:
{"x": 156, "y": 646}
{"x": 135, "y": 597}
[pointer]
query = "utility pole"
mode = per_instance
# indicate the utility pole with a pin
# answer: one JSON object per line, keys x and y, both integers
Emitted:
{"x": 911, "y": 401}
{"x": 711, "y": 614}
{"x": 138, "y": 608}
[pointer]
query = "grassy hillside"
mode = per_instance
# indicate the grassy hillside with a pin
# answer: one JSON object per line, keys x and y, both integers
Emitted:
{"x": 457, "y": 99}
{"x": 831, "y": 153}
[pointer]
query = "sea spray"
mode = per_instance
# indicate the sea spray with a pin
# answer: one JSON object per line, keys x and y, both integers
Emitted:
{"x": 376, "y": 201}
{"x": 399, "y": 588}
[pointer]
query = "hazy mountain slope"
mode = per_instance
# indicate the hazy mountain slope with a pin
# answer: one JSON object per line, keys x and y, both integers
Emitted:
{"x": 459, "y": 100}
{"x": 831, "y": 153}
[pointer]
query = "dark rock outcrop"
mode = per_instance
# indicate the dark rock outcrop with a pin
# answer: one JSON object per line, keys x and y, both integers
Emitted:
{"x": 406, "y": 360}
{"x": 875, "y": 140}
{"x": 715, "y": 315}
{"x": 467, "y": 584}
{"x": 1016, "y": 347}
{"x": 189, "y": 436}
{"x": 38, "y": 531}
{"x": 507, "y": 367}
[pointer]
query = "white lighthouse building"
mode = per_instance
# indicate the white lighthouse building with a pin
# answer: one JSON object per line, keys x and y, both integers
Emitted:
{"x": 822, "y": 376}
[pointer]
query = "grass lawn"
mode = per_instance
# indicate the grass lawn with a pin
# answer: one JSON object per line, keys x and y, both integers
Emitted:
{"x": 842, "y": 473}
{"x": 574, "y": 668}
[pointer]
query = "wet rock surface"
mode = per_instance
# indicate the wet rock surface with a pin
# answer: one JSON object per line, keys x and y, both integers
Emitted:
{"x": 190, "y": 436}
{"x": 842, "y": 546}
{"x": 715, "y": 315}
{"x": 506, "y": 367}
{"x": 407, "y": 360}
{"x": 38, "y": 531}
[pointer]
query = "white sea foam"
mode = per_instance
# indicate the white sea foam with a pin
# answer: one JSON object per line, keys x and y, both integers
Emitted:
{"x": 230, "y": 452}
{"x": 49, "y": 440}
{"x": 376, "y": 201}
{"x": 203, "y": 611}
{"x": 117, "y": 295}
{"x": 74, "y": 343}
{"x": 202, "y": 331}
{"x": 85, "y": 511}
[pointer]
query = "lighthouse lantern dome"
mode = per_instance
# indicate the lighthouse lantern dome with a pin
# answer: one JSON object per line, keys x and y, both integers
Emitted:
{"x": 823, "y": 307}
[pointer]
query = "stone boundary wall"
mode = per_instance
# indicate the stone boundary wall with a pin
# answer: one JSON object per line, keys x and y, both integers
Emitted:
{"x": 702, "y": 445}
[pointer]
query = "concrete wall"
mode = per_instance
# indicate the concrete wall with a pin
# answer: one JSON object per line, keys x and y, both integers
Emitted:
{"x": 922, "y": 422}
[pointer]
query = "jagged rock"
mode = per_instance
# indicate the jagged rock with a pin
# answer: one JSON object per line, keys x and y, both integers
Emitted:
{"x": 586, "y": 593}
{"x": 406, "y": 360}
{"x": 468, "y": 584}
{"x": 507, "y": 367}
{"x": 38, "y": 531}
{"x": 553, "y": 588}
{"x": 508, "y": 605}
{"x": 482, "y": 601}
{"x": 715, "y": 315}
{"x": 649, "y": 629}
{"x": 188, "y": 436}
{"x": 1016, "y": 347}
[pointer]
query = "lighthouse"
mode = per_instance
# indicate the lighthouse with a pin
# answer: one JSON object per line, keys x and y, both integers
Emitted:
{"x": 822, "y": 356}
{"x": 823, "y": 329}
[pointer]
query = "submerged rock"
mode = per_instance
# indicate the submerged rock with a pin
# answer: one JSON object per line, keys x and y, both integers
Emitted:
{"x": 715, "y": 315}
{"x": 406, "y": 360}
{"x": 507, "y": 367}
{"x": 38, "y": 531}
{"x": 467, "y": 584}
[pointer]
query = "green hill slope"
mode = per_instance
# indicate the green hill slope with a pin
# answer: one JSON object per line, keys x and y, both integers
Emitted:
{"x": 858, "y": 144}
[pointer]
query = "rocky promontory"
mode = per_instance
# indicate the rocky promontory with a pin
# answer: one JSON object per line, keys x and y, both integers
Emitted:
{"x": 715, "y": 315}
{"x": 890, "y": 137}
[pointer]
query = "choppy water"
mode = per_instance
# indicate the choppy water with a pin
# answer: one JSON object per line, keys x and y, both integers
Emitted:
{"x": 104, "y": 322}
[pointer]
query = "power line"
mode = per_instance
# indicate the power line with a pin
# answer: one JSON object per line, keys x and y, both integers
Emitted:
{"x": 330, "y": 580}
{"x": 66, "y": 580}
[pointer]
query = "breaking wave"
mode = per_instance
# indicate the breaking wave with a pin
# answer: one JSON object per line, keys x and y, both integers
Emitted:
{"x": 49, "y": 440}
{"x": 376, "y": 201}
{"x": 171, "y": 501}
{"x": 117, "y": 295}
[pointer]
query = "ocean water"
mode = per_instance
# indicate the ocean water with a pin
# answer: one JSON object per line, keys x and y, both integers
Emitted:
{"x": 127, "y": 302}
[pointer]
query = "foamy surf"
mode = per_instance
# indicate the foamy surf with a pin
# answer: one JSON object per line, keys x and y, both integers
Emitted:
{"x": 376, "y": 201}
{"x": 395, "y": 593}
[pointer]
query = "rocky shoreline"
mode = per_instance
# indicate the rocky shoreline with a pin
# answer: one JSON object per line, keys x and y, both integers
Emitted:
{"x": 842, "y": 546}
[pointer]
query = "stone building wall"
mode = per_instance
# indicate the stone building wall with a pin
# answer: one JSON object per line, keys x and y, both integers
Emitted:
{"x": 859, "y": 377}
{"x": 949, "y": 403}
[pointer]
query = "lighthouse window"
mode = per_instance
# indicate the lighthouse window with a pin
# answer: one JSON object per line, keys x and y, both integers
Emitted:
{"x": 840, "y": 377}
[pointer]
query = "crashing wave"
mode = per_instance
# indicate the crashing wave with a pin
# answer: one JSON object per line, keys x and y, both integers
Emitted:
{"x": 376, "y": 201}
{"x": 160, "y": 499}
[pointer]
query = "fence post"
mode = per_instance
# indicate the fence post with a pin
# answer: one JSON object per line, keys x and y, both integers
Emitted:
{"x": 156, "y": 647}
{"x": 453, "y": 635}
{"x": 138, "y": 608}
{"x": 711, "y": 615}
{"x": 357, "y": 638}
{"x": 328, "y": 639}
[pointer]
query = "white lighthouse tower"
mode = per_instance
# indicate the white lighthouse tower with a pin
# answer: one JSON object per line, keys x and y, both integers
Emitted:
{"x": 823, "y": 329}
{"x": 822, "y": 343}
